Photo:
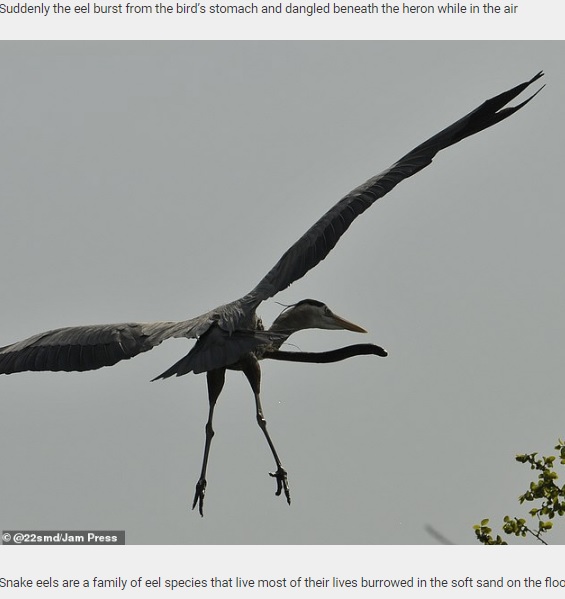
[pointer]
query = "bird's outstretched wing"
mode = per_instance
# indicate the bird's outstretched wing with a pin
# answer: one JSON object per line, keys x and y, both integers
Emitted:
{"x": 320, "y": 239}
{"x": 92, "y": 347}
{"x": 225, "y": 334}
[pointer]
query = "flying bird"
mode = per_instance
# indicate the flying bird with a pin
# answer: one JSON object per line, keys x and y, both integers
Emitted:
{"x": 232, "y": 336}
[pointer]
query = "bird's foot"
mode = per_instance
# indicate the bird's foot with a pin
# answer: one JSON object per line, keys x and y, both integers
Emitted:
{"x": 282, "y": 483}
{"x": 199, "y": 495}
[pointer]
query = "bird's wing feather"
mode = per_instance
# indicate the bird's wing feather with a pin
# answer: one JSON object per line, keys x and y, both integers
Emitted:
{"x": 92, "y": 347}
{"x": 320, "y": 239}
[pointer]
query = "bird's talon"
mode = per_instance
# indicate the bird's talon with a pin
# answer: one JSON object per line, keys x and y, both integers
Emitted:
{"x": 199, "y": 496}
{"x": 282, "y": 483}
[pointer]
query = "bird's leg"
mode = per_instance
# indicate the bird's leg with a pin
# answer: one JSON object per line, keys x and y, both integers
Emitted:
{"x": 252, "y": 371}
{"x": 215, "y": 380}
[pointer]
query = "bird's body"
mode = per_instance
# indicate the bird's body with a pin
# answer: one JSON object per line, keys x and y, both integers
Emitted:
{"x": 232, "y": 336}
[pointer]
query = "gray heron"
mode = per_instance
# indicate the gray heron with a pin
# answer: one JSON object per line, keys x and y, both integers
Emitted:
{"x": 231, "y": 336}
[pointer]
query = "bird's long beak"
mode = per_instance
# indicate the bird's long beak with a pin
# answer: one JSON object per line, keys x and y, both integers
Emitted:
{"x": 348, "y": 326}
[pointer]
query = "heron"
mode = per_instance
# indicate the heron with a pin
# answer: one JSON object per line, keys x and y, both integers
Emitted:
{"x": 232, "y": 336}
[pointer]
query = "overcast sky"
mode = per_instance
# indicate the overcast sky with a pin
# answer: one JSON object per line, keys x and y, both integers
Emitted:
{"x": 154, "y": 181}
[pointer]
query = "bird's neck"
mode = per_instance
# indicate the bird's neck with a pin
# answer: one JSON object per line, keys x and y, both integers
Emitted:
{"x": 288, "y": 322}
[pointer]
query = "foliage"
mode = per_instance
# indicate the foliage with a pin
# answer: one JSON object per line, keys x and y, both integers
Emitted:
{"x": 545, "y": 491}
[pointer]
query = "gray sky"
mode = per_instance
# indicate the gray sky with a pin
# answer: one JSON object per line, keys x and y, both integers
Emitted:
{"x": 154, "y": 181}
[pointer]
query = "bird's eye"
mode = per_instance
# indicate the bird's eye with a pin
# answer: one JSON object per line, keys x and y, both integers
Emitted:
{"x": 327, "y": 311}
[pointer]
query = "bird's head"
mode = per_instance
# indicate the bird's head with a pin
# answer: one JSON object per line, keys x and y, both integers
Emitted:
{"x": 312, "y": 314}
